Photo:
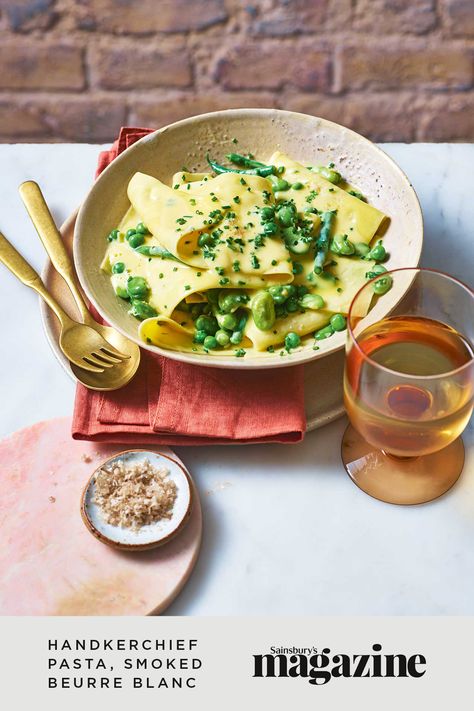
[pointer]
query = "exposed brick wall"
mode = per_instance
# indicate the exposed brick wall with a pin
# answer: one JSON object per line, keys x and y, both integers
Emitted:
{"x": 76, "y": 70}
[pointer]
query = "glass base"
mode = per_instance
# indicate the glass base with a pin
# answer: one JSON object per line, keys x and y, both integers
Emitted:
{"x": 408, "y": 481}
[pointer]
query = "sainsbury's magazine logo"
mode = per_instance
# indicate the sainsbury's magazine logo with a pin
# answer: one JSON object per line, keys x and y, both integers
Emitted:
{"x": 319, "y": 667}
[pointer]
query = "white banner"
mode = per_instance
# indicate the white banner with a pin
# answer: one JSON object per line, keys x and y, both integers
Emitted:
{"x": 230, "y": 663}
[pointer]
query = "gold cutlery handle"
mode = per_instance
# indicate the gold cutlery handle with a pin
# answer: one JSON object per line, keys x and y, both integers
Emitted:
{"x": 23, "y": 271}
{"x": 50, "y": 236}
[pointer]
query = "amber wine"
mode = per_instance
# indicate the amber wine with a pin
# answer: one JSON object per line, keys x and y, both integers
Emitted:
{"x": 403, "y": 390}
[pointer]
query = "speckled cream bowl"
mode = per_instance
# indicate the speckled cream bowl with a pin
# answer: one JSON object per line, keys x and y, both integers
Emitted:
{"x": 261, "y": 131}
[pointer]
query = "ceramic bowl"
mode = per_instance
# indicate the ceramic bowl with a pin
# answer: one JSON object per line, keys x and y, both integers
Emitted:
{"x": 150, "y": 536}
{"x": 261, "y": 131}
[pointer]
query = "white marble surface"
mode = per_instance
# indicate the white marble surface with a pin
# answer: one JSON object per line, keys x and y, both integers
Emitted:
{"x": 286, "y": 532}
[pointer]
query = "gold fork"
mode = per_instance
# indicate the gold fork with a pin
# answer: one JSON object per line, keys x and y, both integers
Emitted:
{"x": 50, "y": 236}
{"x": 81, "y": 344}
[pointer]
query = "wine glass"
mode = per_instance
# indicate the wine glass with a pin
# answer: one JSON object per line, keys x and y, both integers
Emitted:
{"x": 408, "y": 385}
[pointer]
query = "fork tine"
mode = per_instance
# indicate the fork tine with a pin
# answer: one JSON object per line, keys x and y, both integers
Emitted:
{"x": 88, "y": 366}
{"x": 107, "y": 357}
{"x": 110, "y": 350}
{"x": 96, "y": 360}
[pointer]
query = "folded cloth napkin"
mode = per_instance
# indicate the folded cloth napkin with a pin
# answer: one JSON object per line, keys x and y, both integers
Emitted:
{"x": 174, "y": 403}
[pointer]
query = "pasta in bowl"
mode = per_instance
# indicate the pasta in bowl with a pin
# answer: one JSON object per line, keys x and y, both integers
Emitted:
{"x": 253, "y": 259}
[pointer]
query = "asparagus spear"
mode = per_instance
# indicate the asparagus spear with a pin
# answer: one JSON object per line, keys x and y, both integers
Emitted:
{"x": 322, "y": 245}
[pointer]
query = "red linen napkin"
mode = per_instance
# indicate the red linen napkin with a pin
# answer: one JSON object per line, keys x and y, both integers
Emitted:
{"x": 179, "y": 404}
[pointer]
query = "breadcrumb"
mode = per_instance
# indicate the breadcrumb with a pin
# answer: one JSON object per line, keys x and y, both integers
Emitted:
{"x": 134, "y": 495}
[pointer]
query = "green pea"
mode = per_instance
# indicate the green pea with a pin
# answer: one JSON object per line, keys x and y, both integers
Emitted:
{"x": 297, "y": 186}
{"x": 263, "y": 310}
{"x": 136, "y": 240}
{"x": 312, "y": 301}
{"x": 210, "y": 343}
{"x": 376, "y": 270}
{"x": 286, "y": 215}
{"x": 129, "y": 233}
{"x": 270, "y": 228}
{"x": 236, "y": 338}
{"x": 338, "y": 322}
{"x": 118, "y": 268}
{"x": 279, "y": 296}
{"x": 227, "y": 321}
{"x": 323, "y": 333}
{"x": 279, "y": 184}
{"x": 142, "y": 310}
{"x": 298, "y": 246}
{"x": 292, "y": 304}
{"x": 267, "y": 213}
{"x": 229, "y": 301}
{"x": 341, "y": 245}
{"x": 332, "y": 175}
{"x": 113, "y": 235}
{"x": 280, "y": 311}
{"x": 292, "y": 340}
{"x": 137, "y": 287}
{"x": 123, "y": 293}
{"x": 361, "y": 249}
{"x": 222, "y": 338}
{"x": 142, "y": 229}
{"x": 207, "y": 324}
{"x": 200, "y": 336}
{"x": 290, "y": 289}
{"x": 377, "y": 253}
{"x": 302, "y": 290}
{"x": 382, "y": 285}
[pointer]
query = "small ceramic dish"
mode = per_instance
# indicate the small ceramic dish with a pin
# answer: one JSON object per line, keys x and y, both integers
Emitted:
{"x": 151, "y": 536}
{"x": 260, "y": 131}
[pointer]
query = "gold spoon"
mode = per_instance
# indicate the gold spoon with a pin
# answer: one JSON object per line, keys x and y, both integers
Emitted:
{"x": 121, "y": 373}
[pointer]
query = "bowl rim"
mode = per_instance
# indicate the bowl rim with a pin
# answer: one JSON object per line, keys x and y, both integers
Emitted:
{"x": 230, "y": 362}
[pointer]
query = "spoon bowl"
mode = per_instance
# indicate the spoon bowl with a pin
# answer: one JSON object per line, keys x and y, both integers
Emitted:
{"x": 118, "y": 376}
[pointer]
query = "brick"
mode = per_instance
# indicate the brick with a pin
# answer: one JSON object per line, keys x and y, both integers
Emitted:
{"x": 63, "y": 117}
{"x": 173, "y": 107}
{"x": 371, "y": 67}
{"x": 141, "y": 67}
{"x": 289, "y": 18}
{"x": 83, "y": 118}
{"x": 35, "y": 65}
{"x": 26, "y": 15}
{"x": 460, "y": 14}
{"x": 395, "y": 16}
{"x": 378, "y": 116}
{"x": 272, "y": 65}
{"x": 449, "y": 119}
{"x": 292, "y": 17}
{"x": 382, "y": 117}
{"x": 328, "y": 107}
{"x": 148, "y": 16}
{"x": 19, "y": 121}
